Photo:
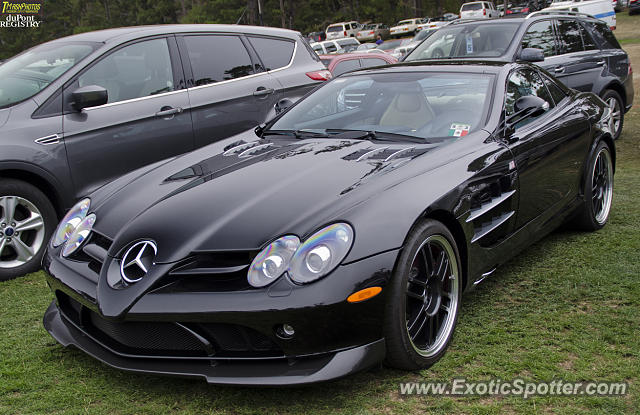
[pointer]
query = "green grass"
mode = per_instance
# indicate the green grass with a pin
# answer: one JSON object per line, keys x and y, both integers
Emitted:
{"x": 568, "y": 308}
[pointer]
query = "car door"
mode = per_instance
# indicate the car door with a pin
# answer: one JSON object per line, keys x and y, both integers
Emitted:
{"x": 146, "y": 118}
{"x": 580, "y": 67}
{"x": 546, "y": 149}
{"x": 229, "y": 90}
{"x": 591, "y": 64}
{"x": 542, "y": 35}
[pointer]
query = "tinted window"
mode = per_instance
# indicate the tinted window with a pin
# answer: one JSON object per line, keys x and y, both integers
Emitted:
{"x": 330, "y": 47}
{"x": 338, "y": 28}
{"x": 570, "y": 39}
{"x": 217, "y": 58}
{"x": 274, "y": 53}
{"x": 523, "y": 83}
{"x": 346, "y": 66}
{"x": 135, "y": 71}
{"x": 540, "y": 36}
{"x": 556, "y": 92}
{"x": 587, "y": 40}
{"x": 604, "y": 35}
{"x": 471, "y": 6}
{"x": 369, "y": 62}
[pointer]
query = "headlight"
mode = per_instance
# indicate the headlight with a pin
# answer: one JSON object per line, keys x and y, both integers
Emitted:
{"x": 71, "y": 221}
{"x": 272, "y": 261}
{"x": 321, "y": 253}
{"x": 79, "y": 235}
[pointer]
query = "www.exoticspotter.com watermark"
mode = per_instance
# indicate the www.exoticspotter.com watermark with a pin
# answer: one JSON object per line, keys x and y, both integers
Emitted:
{"x": 515, "y": 387}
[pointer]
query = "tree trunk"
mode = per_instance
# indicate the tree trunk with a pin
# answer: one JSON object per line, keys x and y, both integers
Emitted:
{"x": 283, "y": 16}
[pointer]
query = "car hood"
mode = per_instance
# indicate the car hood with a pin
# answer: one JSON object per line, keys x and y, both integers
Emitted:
{"x": 241, "y": 193}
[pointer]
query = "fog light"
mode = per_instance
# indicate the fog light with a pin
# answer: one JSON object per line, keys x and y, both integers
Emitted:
{"x": 285, "y": 331}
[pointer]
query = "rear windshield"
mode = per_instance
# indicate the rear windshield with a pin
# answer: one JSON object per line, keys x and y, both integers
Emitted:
{"x": 471, "y": 6}
{"x": 469, "y": 40}
{"x": 27, "y": 74}
{"x": 337, "y": 28}
{"x": 404, "y": 22}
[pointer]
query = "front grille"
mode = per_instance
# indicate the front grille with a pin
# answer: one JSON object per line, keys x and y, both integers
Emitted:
{"x": 168, "y": 338}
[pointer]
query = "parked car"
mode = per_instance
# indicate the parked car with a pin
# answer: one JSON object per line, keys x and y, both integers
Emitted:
{"x": 316, "y": 36}
{"x": 449, "y": 17}
{"x": 600, "y": 9}
{"x": 433, "y": 22}
{"x": 371, "y": 31}
{"x": 77, "y": 112}
{"x": 407, "y": 27}
{"x": 581, "y": 51}
{"x": 634, "y": 7}
{"x": 343, "y": 29}
{"x": 478, "y": 10}
{"x": 335, "y": 236}
{"x": 390, "y": 45}
{"x": 339, "y": 64}
{"x": 405, "y": 48}
{"x": 335, "y": 46}
{"x": 368, "y": 48}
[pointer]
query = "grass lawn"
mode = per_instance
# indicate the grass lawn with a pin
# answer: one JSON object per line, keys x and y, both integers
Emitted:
{"x": 568, "y": 308}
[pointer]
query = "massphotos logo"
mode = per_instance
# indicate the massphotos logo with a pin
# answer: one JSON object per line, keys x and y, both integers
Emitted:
{"x": 20, "y": 14}
{"x": 20, "y": 8}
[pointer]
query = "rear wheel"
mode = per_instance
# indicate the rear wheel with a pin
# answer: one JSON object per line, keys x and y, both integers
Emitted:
{"x": 614, "y": 102}
{"x": 598, "y": 190}
{"x": 27, "y": 219}
{"x": 425, "y": 294}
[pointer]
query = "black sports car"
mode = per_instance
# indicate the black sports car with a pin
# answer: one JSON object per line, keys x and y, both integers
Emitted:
{"x": 341, "y": 234}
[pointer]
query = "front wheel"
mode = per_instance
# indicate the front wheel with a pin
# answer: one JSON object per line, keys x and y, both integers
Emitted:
{"x": 27, "y": 219}
{"x": 598, "y": 190}
{"x": 424, "y": 299}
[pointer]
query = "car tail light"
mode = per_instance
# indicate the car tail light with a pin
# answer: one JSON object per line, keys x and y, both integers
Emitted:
{"x": 509, "y": 12}
{"x": 484, "y": 12}
{"x": 321, "y": 75}
{"x": 525, "y": 10}
{"x": 371, "y": 32}
{"x": 612, "y": 28}
{"x": 345, "y": 33}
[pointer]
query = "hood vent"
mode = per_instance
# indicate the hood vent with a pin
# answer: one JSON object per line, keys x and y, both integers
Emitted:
{"x": 386, "y": 154}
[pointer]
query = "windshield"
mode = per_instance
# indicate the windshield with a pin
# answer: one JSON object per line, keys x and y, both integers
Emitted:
{"x": 427, "y": 106}
{"x": 466, "y": 41}
{"x": 338, "y": 28}
{"x": 422, "y": 35}
{"x": 29, "y": 73}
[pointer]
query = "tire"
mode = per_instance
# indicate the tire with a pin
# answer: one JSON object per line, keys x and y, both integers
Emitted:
{"x": 614, "y": 101}
{"x": 415, "y": 340}
{"x": 27, "y": 220}
{"x": 598, "y": 191}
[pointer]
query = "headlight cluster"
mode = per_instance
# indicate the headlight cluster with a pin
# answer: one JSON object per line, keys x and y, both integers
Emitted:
{"x": 306, "y": 262}
{"x": 74, "y": 228}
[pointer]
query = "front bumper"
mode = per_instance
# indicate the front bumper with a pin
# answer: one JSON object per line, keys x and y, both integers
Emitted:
{"x": 276, "y": 372}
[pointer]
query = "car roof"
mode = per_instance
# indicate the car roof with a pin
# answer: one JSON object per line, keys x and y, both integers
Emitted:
{"x": 449, "y": 65}
{"x": 354, "y": 55}
{"x": 127, "y": 33}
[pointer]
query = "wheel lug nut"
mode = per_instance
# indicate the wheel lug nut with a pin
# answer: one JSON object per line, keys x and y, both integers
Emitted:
{"x": 13, "y": 224}
{"x": 3, "y": 225}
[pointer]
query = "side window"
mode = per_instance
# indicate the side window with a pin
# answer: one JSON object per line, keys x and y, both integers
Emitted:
{"x": 570, "y": 39}
{"x": 205, "y": 54}
{"x": 275, "y": 53}
{"x": 523, "y": 83}
{"x": 346, "y": 66}
{"x": 587, "y": 40}
{"x": 556, "y": 92}
{"x": 135, "y": 71}
{"x": 540, "y": 36}
{"x": 604, "y": 35}
{"x": 369, "y": 62}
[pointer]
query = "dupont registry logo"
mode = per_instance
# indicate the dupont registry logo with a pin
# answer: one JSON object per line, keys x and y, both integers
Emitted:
{"x": 20, "y": 14}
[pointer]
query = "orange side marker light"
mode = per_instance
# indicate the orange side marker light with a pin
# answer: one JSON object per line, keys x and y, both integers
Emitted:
{"x": 365, "y": 294}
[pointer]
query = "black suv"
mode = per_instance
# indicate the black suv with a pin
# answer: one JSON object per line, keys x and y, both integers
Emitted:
{"x": 77, "y": 112}
{"x": 578, "y": 49}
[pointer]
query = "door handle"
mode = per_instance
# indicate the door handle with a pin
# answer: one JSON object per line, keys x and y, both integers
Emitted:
{"x": 168, "y": 111}
{"x": 262, "y": 92}
{"x": 559, "y": 69}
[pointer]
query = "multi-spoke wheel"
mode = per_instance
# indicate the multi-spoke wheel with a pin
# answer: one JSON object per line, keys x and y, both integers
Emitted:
{"x": 26, "y": 222}
{"x": 616, "y": 115}
{"x": 425, "y": 297}
{"x": 598, "y": 189}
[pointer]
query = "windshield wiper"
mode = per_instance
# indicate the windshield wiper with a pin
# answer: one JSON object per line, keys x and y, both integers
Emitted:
{"x": 375, "y": 135}
{"x": 293, "y": 133}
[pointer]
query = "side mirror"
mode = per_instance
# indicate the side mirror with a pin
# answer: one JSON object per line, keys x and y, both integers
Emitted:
{"x": 530, "y": 106}
{"x": 89, "y": 96}
{"x": 282, "y": 105}
{"x": 531, "y": 55}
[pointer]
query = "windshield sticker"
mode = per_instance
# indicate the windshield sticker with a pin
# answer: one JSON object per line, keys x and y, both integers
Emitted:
{"x": 469, "y": 43}
{"x": 459, "y": 130}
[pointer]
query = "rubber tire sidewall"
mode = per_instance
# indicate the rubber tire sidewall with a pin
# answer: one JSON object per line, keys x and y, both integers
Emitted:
{"x": 400, "y": 352}
{"x": 610, "y": 93}
{"x": 11, "y": 187}
{"x": 586, "y": 218}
